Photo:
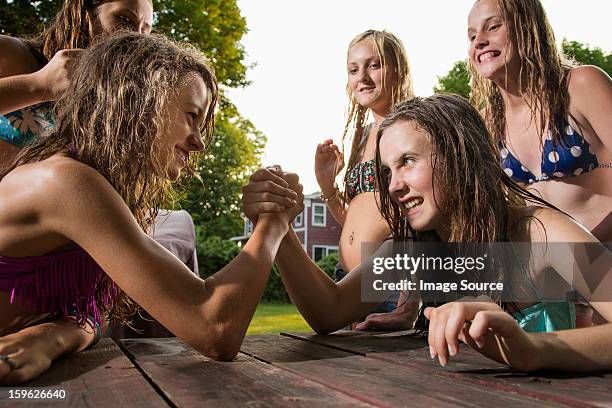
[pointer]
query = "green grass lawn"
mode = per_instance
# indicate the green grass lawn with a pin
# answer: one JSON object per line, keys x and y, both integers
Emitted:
{"x": 277, "y": 317}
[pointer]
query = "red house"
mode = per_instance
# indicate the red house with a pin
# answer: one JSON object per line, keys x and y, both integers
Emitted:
{"x": 316, "y": 228}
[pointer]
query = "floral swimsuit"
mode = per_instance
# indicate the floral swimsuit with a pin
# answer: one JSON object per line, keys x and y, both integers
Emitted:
{"x": 361, "y": 178}
{"x": 20, "y": 127}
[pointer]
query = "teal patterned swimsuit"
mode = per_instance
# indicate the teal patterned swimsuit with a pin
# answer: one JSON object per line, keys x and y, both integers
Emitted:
{"x": 22, "y": 126}
{"x": 546, "y": 317}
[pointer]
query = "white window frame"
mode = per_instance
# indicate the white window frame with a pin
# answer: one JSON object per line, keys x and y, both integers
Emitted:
{"x": 314, "y": 215}
{"x": 299, "y": 217}
{"x": 248, "y": 231}
{"x": 327, "y": 248}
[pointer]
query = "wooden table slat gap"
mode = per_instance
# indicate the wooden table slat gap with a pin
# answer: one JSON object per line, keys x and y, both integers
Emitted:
{"x": 331, "y": 346}
{"x": 146, "y": 376}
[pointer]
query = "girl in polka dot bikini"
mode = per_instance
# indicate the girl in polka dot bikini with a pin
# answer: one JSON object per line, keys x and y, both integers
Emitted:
{"x": 551, "y": 118}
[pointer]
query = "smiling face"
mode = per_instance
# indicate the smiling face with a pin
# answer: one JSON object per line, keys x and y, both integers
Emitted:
{"x": 406, "y": 158}
{"x": 132, "y": 15}
{"x": 490, "y": 50}
{"x": 365, "y": 76}
{"x": 186, "y": 114}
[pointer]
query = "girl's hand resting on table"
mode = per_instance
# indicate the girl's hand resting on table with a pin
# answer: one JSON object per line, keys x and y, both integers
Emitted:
{"x": 486, "y": 327}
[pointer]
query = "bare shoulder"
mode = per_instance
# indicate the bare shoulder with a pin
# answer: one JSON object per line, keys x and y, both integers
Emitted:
{"x": 588, "y": 75}
{"x": 550, "y": 225}
{"x": 58, "y": 179}
{"x": 586, "y": 80}
{"x": 16, "y": 57}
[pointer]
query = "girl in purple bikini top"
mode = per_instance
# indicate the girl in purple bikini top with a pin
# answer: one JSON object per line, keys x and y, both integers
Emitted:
{"x": 64, "y": 282}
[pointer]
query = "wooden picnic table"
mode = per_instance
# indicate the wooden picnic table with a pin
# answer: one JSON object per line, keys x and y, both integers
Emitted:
{"x": 302, "y": 369}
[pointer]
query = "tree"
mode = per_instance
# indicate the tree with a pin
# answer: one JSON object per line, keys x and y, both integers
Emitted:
{"x": 214, "y": 202}
{"x": 586, "y": 55}
{"x": 26, "y": 18}
{"x": 457, "y": 80}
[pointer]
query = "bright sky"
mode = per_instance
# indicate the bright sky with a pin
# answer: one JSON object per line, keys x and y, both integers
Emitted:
{"x": 297, "y": 97}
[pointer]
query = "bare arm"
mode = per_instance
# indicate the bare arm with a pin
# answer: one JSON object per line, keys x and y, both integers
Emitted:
{"x": 336, "y": 206}
{"x": 23, "y": 83}
{"x": 325, "y": 304}
{"x": 329, "y": 162}
{"x": 212, "y": 315}
{"x": 19, "y": 86}
{"x": 591, "y": 93}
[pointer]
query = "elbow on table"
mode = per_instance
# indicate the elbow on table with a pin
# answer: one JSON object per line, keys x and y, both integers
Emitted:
{"x": 323, "y": 328}
{"x": 220, "y": 353}
{"x": 222, "y": 346}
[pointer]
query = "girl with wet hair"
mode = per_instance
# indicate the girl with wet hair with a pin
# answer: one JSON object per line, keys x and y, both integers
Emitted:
{"x": 378, "y": 77}
{"x": 440, "y": 180}
{"x": 531, "y": 95}
{"x": 73, "y": 247}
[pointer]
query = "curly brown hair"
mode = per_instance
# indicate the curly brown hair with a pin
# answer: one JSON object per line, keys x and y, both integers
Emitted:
{"x": 392, "y": 54}
{"x": 115, "y": 111}
{"x": 543, "y": 75}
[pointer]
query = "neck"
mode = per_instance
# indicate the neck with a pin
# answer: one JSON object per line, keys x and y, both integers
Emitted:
{"x": 513, "y": 95}
{"x": 380, "y": 114}
{"x": 443, "y": 231}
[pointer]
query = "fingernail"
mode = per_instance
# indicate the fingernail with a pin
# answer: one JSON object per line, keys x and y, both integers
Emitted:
{"x": 432, "y": 353}
{"x": 442, "y": 360}
{"x": 479, "y": 343}
{"x": 452, "y": 350}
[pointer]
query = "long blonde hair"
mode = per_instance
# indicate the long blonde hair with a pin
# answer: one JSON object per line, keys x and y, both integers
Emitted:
{"x": 543, "y": 75}
{"x": 115, "y": 111}
{"x": 392, "y": 54}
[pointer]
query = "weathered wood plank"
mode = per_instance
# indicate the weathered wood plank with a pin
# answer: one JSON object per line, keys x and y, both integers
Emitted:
{"x": 471, "y": 367}
{"x": 374, "y": 381}
{"x": 189, "y": 379}
{"x": 101, "y": 376}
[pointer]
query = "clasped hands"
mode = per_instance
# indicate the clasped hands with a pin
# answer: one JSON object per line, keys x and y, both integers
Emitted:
{"x": 272, "y": 193}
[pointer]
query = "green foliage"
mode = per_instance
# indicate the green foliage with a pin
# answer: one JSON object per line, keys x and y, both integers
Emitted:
{"x": 213, "y": 253}
{"x": 275, "y": 289}
{"x": 26, "y": 18}
{"x": 214, "y": 202}
{"x": 586, "y": 55}
{"x": 457, "y": 81}
{"x": 215, "y": 26}
{"x": 328, "y": 264}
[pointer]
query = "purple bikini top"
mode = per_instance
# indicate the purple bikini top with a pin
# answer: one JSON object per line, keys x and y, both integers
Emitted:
{"x": 65, "y": 282}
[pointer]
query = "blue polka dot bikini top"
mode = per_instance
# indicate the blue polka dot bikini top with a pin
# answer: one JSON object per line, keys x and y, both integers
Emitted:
{"x": 570, "y": 158}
